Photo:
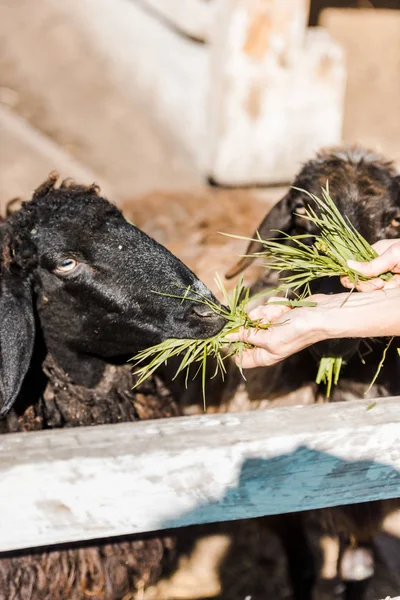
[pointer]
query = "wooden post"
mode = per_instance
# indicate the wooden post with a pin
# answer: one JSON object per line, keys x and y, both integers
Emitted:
{"x": 276, "y": 91}
{"x": 86, "y": 483}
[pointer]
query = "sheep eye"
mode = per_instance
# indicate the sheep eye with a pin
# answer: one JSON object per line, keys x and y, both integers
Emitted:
{"x": 301, "y": 210}
{"x": 66, "y": 266}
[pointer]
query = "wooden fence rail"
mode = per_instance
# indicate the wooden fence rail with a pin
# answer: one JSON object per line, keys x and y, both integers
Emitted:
{"x": 86, "y": 483}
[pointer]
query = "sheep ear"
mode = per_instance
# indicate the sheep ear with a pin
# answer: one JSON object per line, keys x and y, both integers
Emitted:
{"x": 279, "y": 218}
{"x": 17, "y": 334}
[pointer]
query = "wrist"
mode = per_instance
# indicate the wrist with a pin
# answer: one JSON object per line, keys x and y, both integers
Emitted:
{"x": 337, "y": 322}
{"x": 314, "y": 326}
{"x": 367, "y": 314}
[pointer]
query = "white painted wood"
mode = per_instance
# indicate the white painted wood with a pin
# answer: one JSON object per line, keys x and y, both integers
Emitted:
{"x": 192, "y": 17}
{"x": 276, "y": 91}
{"x": 86, "y": 483}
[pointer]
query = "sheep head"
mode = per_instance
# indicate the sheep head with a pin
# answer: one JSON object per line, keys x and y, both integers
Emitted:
{"x": 90, "y": 277}
{"x": 365, "y": 188}
{"x": 363, "y": 185}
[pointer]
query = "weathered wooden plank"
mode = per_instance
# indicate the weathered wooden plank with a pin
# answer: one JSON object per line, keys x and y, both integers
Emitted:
{"x": 86, "y": 483}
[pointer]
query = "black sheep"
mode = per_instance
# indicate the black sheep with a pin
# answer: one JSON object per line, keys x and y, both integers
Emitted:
{"x": 76, "y": 300}
{"x": 366, "y": 189}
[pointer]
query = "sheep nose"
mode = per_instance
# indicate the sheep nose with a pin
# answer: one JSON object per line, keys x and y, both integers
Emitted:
{"x": 204, "y": 311}
{"x": 206, "y": 321}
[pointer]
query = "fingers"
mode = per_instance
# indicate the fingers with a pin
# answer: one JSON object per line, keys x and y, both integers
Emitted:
{"x": 345, "y": 281}
{"x": 363, "y": 286}
{"x": 318, "y": 298}
{"x": 269, "y": 312}
{"x": 382, "y": 245}
{"x": 388, "y": 261}
{"x": 251, "y": 335}
{"x": 392, "y": 283}
{"x": 257, "y": 357}
{"x": 375, "y": 267}
{"x": 371, "y": 285}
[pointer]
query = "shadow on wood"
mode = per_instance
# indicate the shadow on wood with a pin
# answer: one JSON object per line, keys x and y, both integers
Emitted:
{"x": 258, "y": 477}
{"x": 299, "y": 534}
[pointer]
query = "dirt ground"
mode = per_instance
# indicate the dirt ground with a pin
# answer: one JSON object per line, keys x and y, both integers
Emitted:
{"x": 245, "y": 560}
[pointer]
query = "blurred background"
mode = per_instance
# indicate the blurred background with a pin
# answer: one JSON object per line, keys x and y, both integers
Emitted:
{"x": 158, "y": 99}
{"x": 168, "y": 94}
{"x": 194, "y": 116}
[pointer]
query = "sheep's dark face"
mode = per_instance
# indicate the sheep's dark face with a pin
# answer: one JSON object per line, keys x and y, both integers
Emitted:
{"x": 363, "y": 185}
{"x": 97, "y": 288}
{"x": 95, "y": 278}
{"x": 366, "y": 190}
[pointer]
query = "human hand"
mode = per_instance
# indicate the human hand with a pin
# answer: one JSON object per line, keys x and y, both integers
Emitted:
{"x": 388, "y": 260}
{"x": 292, "y": 330}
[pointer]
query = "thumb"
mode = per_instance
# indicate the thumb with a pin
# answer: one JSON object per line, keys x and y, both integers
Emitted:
{"x": 377, "y": 266}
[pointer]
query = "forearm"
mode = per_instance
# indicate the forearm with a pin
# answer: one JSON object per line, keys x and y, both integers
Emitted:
{"x": 366, "y": 314}
{"x": 373, "y": 314}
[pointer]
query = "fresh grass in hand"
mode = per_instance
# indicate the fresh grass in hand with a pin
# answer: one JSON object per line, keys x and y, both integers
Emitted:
{"x": 195, "y": 352}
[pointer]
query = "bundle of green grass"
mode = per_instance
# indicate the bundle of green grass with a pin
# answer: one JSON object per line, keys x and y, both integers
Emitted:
{"x": 327, "y": 256}
{"x": 196, "y": 352}
{"x": 337, "y": 242}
